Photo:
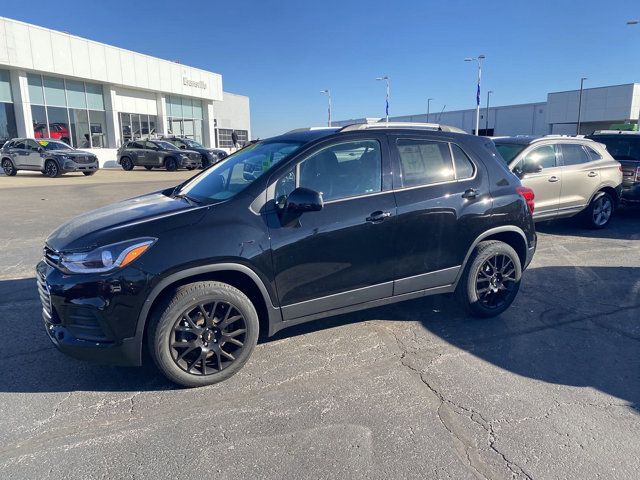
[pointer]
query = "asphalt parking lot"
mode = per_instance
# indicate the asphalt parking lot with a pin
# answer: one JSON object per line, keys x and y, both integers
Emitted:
{"x": 550, "y": 389}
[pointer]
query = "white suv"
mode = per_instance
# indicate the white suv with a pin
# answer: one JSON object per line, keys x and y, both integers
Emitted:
{"x": 569, "y": 175}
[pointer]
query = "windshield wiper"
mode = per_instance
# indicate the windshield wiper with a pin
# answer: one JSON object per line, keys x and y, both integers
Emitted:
{"x": 190, "y": 200}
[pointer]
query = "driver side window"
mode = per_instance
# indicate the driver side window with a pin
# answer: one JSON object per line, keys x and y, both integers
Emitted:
{"x": 544, "y": 156}
{"x": 342, "y": 170}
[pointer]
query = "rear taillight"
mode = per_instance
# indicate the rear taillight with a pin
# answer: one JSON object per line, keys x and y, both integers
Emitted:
{"x": 637, "y": 174}
{"x": 528, "y": 195}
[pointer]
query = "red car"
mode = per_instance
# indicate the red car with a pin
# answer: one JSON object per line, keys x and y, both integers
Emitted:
{"x": 59, "y": 131}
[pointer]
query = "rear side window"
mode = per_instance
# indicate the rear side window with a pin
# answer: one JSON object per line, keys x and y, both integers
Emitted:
{"x": 135, "y": 145}
{"x": 573, "y": 155}
{"x": 464, "y": 166}
{"x": 593, "y": 155}
{"x": 423, "y": 162}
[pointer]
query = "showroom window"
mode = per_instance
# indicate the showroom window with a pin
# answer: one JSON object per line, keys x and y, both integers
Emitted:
{"x": 7, "y": 116}
{"x": 224, "y": 137}
{"x": 67, "y": 110}
{"x": 136, "y": 125}
{"x": 184, "y": 117}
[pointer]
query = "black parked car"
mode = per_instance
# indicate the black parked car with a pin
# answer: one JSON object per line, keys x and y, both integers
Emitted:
{"x": 157, "y": 154}
{"x": 209, "y": 156}
{"x": 306, "y": 225}
{"x": 625, "y": 148}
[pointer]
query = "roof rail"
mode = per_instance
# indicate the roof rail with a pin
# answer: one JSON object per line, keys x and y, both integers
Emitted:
{"x": 426, "y": 126}
{"x": 621, "y": 132}
{"x": 311, "y": 129}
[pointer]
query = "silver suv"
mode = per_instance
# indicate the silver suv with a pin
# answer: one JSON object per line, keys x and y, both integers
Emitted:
{"x": 47, "y": 155}
{"x": 569, "y": 175}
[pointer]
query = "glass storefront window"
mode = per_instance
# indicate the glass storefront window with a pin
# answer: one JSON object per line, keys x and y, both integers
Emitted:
{"x": 125, "y": 127}
{"x": 187, "y": 108}
{"x": 80, "y": 128}
{"x": 152, "y": 124}
{"x": 197, "y": 130}
{"x": 7, "y": 122}
{"x": 36, "y": 96}
{"x": 225, "y": 139}
{"x": 5, "y": 87}
{"x": 197, "y": 109}
{"x": 54, "y": 92}
{"x": 75, "y": 94}
{"x": 185, "y": 117}
{"x": 50, "y": 97}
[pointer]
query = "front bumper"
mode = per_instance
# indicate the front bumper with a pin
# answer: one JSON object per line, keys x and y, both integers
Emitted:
{"x": 71, "y": 166}
{"x": 190, "y": 163}
{"x": 94, "y": 317}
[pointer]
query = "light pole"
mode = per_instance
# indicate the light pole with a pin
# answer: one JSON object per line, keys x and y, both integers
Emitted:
{"x": 428, "y": 107}
{"x": 486, "y": 120}
{"x": 580, "y": 104}
{"x": 328, "y": 92}
{"x": 386, "y": 79}
{"x": 635, "y": 22}
{"x": 479, "y": 59}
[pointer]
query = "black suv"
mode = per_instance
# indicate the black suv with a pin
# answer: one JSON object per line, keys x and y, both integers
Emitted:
{"x": 157, "y": 154}
{"x": 625, "y": 148}
{"x": 209, "y": 155}
{"x": 298, "y": 227}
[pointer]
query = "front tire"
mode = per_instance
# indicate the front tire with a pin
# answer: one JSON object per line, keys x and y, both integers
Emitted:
{"x": 126, "y": 164}
{"x": 203, "y": 334}
{"x": 88, "y": 174}
{"x": 148, "y": 167}
{"x": 170, "y": 164}
{"x": 599, "y": 212}
{"x": 51, "y": 169}
{"x": 9, "y": 168}
{"x": 491, "y": 279}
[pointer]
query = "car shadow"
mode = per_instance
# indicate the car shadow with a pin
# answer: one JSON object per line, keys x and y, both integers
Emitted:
{"x": 625, "y": 225}
{"x": 574, "y": 326}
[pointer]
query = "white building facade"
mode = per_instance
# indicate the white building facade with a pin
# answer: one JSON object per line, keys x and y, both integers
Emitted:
{"x": 600, "y": 108}
{"x": 96, "y": 96}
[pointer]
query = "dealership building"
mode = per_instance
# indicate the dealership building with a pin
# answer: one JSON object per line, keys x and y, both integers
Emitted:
{"x": 600, "y": 108}
{"x": 96, "y": 96}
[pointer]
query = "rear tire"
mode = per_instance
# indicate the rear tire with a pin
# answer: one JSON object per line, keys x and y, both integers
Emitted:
{"x": 491, "y": 279}
{"x": 9, "y": 168}
{"x": 170, "y": 164}
{"x": 148, "y": 167}
{"x": 88, "y": 174}
{"x": 203, "y": 334}
{"x": 51, "y": 169}
{"x": 126, "y": 164}
{"x": 599, "y": 212}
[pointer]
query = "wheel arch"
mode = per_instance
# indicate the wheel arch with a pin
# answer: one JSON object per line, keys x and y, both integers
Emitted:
{"x": 509, "y": 234}
{"x": 235, "y": 274}
{"x": 608, "y": 189}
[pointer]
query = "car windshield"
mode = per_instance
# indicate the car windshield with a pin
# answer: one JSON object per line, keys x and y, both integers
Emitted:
{"x": 165, "y": 145}
{"x": 509, "y": 151}
{"x": 229, "y": 177}
{"x": 51, "y": 145}
{"x": 190, "y": 143}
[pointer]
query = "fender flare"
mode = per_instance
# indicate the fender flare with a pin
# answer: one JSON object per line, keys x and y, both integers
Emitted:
{"x": 273, "y": 312}
{"x": 487, "y": 234}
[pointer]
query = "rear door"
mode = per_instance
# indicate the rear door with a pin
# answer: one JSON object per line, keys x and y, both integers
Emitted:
{"x": 20, "y": 154}
{"x": 440, "y": 206}
{"x": 580, "y": 177}
{"x": 547, "y": 183}
{"x": 135, "y": 151}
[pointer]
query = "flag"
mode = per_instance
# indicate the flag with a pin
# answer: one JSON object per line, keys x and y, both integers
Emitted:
{"x": 387, "y": 107}
{"x": 478, "y": 95}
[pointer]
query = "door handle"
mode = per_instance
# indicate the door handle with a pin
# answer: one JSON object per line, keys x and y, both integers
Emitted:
{"x": 553, "y": 178}
{"x": 592, "y": 174}
{"x": 378, "y": 216}
{"x": 470, "y": 193}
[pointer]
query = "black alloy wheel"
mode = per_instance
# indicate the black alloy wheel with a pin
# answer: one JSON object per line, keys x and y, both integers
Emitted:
{"x": 208, "y": 337}
{"x": 170, "y": 164}
{"x": 9, "y": 169}
{"x": 126, "y": 163}
{"x": 51, "y": 169}
{"x": 495, "y": 281}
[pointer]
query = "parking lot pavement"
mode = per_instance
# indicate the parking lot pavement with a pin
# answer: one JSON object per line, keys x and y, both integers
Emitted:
{"x": 550, "y": 389}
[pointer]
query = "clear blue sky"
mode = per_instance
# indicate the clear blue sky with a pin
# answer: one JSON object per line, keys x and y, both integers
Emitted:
{"x": 282, "y": 53}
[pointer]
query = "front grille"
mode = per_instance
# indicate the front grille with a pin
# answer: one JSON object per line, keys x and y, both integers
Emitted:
{"x": 45, "y": 299}
{"x": 194, "y": 156}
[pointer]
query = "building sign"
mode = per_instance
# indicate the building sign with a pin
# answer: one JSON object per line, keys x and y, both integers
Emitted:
{"x": 193, "y": 83}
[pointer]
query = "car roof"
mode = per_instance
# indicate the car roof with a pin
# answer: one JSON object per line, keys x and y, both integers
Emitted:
{"x": 531, "y": 139}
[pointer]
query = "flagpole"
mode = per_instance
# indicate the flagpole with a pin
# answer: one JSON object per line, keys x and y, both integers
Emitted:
{"x": 328, "y": 92}
{"x": 388, "y": 90}
{"x": 479, "y": 59}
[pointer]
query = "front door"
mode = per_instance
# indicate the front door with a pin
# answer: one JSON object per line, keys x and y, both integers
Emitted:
{"x": 343, "y": 254}
{"x": 151, "y": 155}
{"x": 34, "y": 157}
{"x": 546, "y": 184}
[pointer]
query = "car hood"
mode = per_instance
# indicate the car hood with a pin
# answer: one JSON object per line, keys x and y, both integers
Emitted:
{"x": 137, "y": 217}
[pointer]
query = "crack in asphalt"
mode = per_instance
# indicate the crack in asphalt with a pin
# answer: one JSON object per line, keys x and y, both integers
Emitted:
{"x": 471, "y": 450}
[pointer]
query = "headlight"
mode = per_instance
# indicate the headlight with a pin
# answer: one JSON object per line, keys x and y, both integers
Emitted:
{"x": 106, "y": 258}
{"x": 212, "y": 155}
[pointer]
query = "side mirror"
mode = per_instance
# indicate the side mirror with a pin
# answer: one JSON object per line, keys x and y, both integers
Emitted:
{"x": 530, "y": 167}
{"x": 40, "y": 149}
{"x": 299, "y": 201}
{"x": 182, "y": 147}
